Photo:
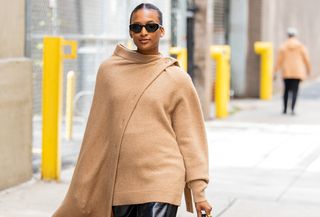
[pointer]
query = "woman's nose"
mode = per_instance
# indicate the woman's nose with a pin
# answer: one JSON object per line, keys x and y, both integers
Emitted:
{"x": 144, "y": 31}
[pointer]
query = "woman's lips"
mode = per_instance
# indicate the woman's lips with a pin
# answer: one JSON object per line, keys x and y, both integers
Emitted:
{"x": 144, "y": 41}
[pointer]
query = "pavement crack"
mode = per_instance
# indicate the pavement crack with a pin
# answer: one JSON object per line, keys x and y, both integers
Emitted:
{"x": 266, "y": 156}
{"x": 303, "y": 166}
{"x": 287, "y": 188}
{"x": 227, "y": 207}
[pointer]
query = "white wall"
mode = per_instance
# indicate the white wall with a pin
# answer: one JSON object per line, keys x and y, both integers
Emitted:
{"x": 239, "y": 45}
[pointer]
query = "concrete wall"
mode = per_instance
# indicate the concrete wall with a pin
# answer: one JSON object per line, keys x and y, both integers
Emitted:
{"x": 245, "y": 29}
{"x": 239, "y": 43}
{"x": 203, "y": 62}
{"x": 268, "y": 20}
{"x": 253, "y": 60}
{"x": 16, "y": 121}
{"x": 304, "y": 15}
{"x": 12, "y": 28}
{"x": 15, "y": 97}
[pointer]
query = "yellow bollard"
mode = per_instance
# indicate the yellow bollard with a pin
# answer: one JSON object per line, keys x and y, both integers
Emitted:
{"x": 221, "y": 54}
{"x": 265, "y": 49}
{"x": 53, "y": 56}
{"x": 69, "y": 103}
{"x": 182, "y": 56}
{"x": 130, "y": 44}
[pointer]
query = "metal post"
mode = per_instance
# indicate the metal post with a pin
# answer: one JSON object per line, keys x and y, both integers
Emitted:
{"x": 181, "y": 54}
{"x": 69, "y": 104}
{"x": 221, "y": 54}
{"x": 53, "y": 56}
{"x": 190, "y": 37}
{"x": 265, "y": 50}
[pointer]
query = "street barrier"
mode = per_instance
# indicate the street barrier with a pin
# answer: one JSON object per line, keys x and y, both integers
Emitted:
{"x": 53, "y": 56}
{"x": 70, "y": 104}
{"x": 130, "y": 44}
{"x": 265, "y": 49}
{"x": 182, "y": 56}
{"x": 221, "y": 54}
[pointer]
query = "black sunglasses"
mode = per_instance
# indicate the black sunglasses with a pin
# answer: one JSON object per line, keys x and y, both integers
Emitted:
{"x": 150, "y": 27}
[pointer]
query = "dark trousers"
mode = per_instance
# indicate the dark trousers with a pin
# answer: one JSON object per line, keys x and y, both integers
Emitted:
{"x": 290, "y": 86}
{"x": 152, "y": 209}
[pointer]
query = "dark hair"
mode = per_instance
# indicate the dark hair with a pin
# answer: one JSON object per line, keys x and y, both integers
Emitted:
{"x": 147, "y": 6}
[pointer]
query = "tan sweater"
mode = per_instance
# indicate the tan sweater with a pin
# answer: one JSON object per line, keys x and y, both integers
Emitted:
{"x": 293, "y": 60}
{"x": 145, "y": 138}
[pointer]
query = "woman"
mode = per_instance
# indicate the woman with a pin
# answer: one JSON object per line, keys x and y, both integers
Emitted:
{"x": 145, "y": 140}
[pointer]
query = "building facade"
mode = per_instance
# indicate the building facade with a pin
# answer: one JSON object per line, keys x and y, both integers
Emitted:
{"x": 98, "y": 25}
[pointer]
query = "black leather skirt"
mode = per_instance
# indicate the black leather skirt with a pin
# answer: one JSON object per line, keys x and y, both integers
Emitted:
{"x": 152, "y": 209}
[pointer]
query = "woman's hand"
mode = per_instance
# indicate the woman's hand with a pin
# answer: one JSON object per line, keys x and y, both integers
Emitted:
{"x": 204, "y": 205}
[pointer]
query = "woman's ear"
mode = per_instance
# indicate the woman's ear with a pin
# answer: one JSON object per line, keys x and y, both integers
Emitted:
{"x": 130, "y": 34}
{"x": 162, "y": 32}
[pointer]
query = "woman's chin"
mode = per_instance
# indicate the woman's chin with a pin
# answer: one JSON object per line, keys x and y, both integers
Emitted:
{"x": 146, "y": 50}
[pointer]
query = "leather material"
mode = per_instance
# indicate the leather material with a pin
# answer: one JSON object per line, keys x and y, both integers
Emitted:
{"x": 152, "y": 209}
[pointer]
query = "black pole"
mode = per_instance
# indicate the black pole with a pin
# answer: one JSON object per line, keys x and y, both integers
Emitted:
{"x": 190, "y": 37}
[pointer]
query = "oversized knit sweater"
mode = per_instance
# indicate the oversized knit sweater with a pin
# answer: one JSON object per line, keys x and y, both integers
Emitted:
{"x": 145, "y": 139}
{"x": 164, "y": 144}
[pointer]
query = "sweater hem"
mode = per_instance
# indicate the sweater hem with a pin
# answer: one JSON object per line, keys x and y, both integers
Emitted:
{"x": 131, "y": 197}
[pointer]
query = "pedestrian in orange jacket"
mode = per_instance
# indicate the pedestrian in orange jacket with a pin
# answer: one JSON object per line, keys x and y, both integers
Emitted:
{"x": 293, "y": 62}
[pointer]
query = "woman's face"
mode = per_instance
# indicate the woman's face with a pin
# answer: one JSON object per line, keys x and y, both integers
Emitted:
{"x": 146, "y": 42}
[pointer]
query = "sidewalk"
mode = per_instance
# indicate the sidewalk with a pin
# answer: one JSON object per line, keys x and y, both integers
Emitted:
{"x": 262, "y": 164}
{"x": 259, "y": 111}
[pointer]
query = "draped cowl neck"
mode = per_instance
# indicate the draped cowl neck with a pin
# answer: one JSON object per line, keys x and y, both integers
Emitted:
{"x": 134, "y": 56}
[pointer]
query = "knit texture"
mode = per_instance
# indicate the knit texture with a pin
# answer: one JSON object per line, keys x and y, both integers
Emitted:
{"x": 145, "y": 138}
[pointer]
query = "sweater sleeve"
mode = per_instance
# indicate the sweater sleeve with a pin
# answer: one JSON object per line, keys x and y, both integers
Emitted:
{"x": 188, "y": 125}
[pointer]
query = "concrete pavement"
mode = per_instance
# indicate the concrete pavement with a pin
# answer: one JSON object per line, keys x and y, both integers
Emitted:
{"x": 264, "y": 170}
{"x": 262, "y": 164}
